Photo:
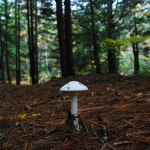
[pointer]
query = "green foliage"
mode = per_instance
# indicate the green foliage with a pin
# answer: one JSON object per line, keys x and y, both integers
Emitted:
{"x": 82, "y": 60}
{"x": 119, "y": 44}
{"x": 126, "y": 63}
{"x": 113, "y": 45}
{"x": 137, "y": 39}
{"x": 148, "y": 14}
{"x": 44, "y": 77}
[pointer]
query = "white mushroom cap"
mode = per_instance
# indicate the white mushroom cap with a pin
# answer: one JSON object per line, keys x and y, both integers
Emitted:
{"x": 73, "y": 86}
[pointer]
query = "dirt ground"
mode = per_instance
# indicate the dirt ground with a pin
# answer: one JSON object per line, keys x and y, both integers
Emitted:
{"x": 114, "y": 114}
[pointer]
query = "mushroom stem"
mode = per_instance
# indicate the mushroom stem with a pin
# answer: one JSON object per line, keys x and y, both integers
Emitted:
{"x": 74, "y": 105}
{"x": 74, "y": 112}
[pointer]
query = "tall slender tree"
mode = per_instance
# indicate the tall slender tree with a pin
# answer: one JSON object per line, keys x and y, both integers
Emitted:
{"x": 7, "y": 70}
{"x": 112, "y": 62}
{"x": 17, "y": 36}
{"x": 61, "y": 38}
{"x": 135, "y": 47}
{"x": 32, "y": 35}
{"x": 36, "y": 42}
{"x": 68, "y": 38}
{"x": 94, "y": 35}
{"x": 64, "y": 28}
{"x": 1, "y": 51}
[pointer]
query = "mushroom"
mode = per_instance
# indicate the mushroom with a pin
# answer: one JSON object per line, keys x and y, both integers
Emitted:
{"x": 74, "y": 87}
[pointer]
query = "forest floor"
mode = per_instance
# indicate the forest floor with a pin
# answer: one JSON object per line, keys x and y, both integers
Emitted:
{"x": 114, "y": 115}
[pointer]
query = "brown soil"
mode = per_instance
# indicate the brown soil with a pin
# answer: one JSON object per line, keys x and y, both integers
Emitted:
{"x": 33, "y": 117}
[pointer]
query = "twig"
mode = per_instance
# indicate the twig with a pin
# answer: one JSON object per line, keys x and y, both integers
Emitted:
{"x": 92, "y": 108}
{"x": 53, "y": 139}
{"x": 110, "y": 146}
{"x": 26, "y": 145}
{"x": 96, "y": 133}
{"x": 103, "y": 147}
{"x": 7, "y": 132}
{"x": 129, "y": 123}
{"x": 84, "y": 125}
{"x": 107, "y": 145}
{"x": 67, "y": 124}
{"x": 23, "y": 128}
{"x": 93, "y": 112}
{"x": 123, "y": 142}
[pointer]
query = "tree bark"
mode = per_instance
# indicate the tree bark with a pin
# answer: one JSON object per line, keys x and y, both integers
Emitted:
{"x": 6, "y": 44}
{"x": 61, "y": 38}
{"x": 68, "y": 38}
{"x": 136, "y": 58}
{"x": 95, "y": 45}
{"x": 112, "y": 60}
{"x": 32, "y": 41}
{"x": 17, "y": 34}
{"x": 136, "y": 50}
{"x": 36, "y": 45}
{"x": 31, "y": 54}
{"x": 1, "y": 53}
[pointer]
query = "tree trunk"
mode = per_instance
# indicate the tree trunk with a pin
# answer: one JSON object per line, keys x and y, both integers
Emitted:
{"x": 1, "y": 53}
{"x": 6, "y": 44}
{"x": 112, "y": 62}
{"x": 61, "y": 41}
{"x": 136, "y": 58}
{"x": 32, "y": 57}
{"x": 91, "y": 59}
{"x": 17, "y": 33}
{"x": 29, "y": 42}
{"x": 68, "y": 40}
{"x": 32, "y": 47}
{"x": 95, "y": 46}
{"x": 36, "y": 45}
{"x": 136, "y": 49}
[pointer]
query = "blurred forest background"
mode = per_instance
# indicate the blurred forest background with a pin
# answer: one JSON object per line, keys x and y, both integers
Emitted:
{"x": 41, "y": 39}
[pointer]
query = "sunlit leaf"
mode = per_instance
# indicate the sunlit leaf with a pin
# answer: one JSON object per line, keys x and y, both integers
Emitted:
{"x": 35, "y": 115}
{"x": 139, "y": 94}
{"x": 22, "y": 116}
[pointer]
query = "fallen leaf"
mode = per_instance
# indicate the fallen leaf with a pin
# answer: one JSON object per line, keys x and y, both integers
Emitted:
{"x": 22, "y": 116}
{"x": 139, "y": 95}
{"x": 35, "y": 115}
